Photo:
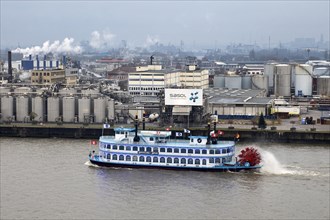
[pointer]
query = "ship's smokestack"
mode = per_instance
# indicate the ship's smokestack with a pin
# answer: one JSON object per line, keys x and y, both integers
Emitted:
{"x": 151, "y": 58}
{"x": 10, "y": 69}
{"x": 136, "y": 137}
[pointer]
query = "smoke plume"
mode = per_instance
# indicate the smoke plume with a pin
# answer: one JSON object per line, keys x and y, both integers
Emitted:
{"x": 57, "y": 47}
{"x": 99, "y": 40}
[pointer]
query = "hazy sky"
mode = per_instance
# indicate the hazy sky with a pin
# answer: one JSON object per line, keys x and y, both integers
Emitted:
{"x": 199, "y": 23}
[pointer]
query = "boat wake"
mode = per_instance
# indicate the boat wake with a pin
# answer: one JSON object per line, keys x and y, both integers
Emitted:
{"x": 88, "y": 163}
{"x": 272, "y": 166}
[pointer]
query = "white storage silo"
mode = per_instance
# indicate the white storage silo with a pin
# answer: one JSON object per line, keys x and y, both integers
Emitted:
{"x": 282, "y": 83}
{"x": 22, "y": 90}
{"x": 233, "y": 82}
{"x": 68, "y": 109}
{"x": 219, "y": 82}
{"x": 22, "y": 109}
{"x": 99, "y": 110}
{"x": 321, "y": 71}
{"x": 323, "y": 86}
{"x": 67, "y": 91}
{"x": 111, "y": 109}
{"x": 246, "y": 82}
{"x": 260, "y": 82}
{"x": 304, "y": 80}
{"x": 270, "y": 72}
{"x": 37, "y": 104}
{"x": 4, "y": 90}
{"x": 84, "y": 109}
{"x": 7, "y": 108}
{"x": 90, "y": 92}
{"x": 53, "y": 109}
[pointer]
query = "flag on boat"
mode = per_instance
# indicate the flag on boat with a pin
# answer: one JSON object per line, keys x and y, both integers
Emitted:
{"x": 168, "y": 129}
{"x": 106, "y": 125}
{"x": 221, "y": 132}
{"x": 93, "y": 142}
{"x": 178, "y": 134}
{"x": 213, "y": 134}
{"x": 186, "y": 131}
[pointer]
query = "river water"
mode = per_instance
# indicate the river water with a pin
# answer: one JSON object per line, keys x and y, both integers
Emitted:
{"x": 52, "y": 179}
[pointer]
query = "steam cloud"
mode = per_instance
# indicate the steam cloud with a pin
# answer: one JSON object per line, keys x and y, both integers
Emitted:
{"x": 151, "y": 40}
{"x": 99, "y": 40}
{"x": 66, "y": 46}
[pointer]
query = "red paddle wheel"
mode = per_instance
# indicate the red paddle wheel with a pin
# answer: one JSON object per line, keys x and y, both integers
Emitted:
{"x": 249, "y": 155}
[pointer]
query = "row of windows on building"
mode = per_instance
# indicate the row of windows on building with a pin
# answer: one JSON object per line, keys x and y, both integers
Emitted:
{"x": 37, "y": 81}
{"x": 168, "y": 149}
{"x": 144, "y": 93}
{"x": 145, "y": 88}
{"x": 168, "y": 160}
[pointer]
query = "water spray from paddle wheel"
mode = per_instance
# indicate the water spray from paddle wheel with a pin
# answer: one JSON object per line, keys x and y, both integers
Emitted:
{"x": 250, "y": 156}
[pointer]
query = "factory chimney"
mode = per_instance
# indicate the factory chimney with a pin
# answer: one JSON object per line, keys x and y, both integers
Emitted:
{"x": 10, "y": 69}
{"x": 151, "y": 58}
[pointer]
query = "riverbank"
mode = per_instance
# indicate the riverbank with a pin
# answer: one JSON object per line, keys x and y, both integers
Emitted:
{"x": 298, "y": 134}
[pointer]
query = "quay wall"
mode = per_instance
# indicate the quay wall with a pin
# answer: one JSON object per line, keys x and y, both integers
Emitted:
{"x": 93, "y": 132}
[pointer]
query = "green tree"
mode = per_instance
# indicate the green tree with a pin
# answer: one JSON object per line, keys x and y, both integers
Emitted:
{"x": 262, "y": 123}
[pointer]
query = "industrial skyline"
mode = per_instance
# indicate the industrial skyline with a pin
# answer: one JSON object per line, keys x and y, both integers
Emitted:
{"x": 198, "y": 24}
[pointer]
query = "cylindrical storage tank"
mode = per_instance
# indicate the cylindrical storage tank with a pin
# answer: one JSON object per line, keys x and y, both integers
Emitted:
{"x": 322, "y": 71}
{"x": 323, "y": 86}
{"x": 303, "y": 81}
{"x": 68, "y": 109}
{"x": 246, "y": 82}
{"x": 7, "y": 108}
{"x": 260, "y": 82}
{"x": 270, "y": 72}
{"x": 38, "y": 108}
{"x": 282, "y": 80}
{"x": 22, "y": 109}
{"x": 233, "y": 82}
{"x": 111, "y": 109}
{"x": 219, "y": 82}
{"x": 53, "y": 109}
{"x": 99, "y": 110}
{"x": 84, "y": 109}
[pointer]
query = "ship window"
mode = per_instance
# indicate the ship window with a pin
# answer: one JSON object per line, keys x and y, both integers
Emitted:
{"x": 211, "y": 160}
{"x": 148, "y": 159}
{"x": 169, "y": 150}
{"x": 224, "y": 151}
{"x": 162, "y": 160}
{"x": 108, "y": 146}
{"x": 217, "y": 160}
{"x": 183, "y": 151}
{"x": 211, "y": 151}
{"x": 197, "y": 161}
{"x": 204, "y": 161}
{"x": 128, "y": 158}
{"x": 141, "y": 148}
{"x": 169, "y": 160}
{"x": 121, "y": 148}
{"x": 176, "y": 160}
{"x": 121, "y": 157}
{"x": 155, "y": 159}
{"x": 114, "y": 157}
{"x": 162, "y": 149}
{"x": 134, "y": 158}
{"x": 108, "y": 156}
{"x": 176, "y": 150}
{"x": 135, "y": 148}
{"x": 151, "y": 138}
{"x": 197, "y": 151}
{"x": 223, "y": 160}
{"x": 190, "y": 151}
{"x": 183, "y": 160}
{"x": 141, "y": 159}
{"x": 114, "y": 147}
{"x": 228, "y": 150}
{"x": 217, "y": 151}
{"x": 128, "y": 147}
{"x": 190, "y": 161}
{"x": 191, "y": 140}
{"x": 204, "y": 151}
{"x": 149, "y": 149}
{"x": 155, "y": 149}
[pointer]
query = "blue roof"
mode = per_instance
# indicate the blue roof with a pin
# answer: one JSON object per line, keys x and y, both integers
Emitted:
{"x": 124, "y": 129}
